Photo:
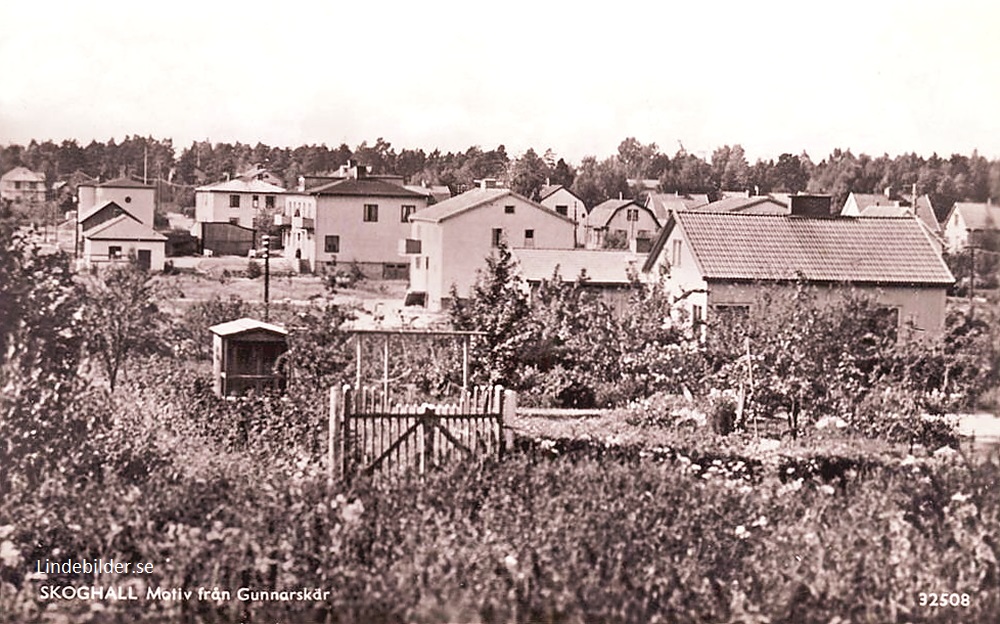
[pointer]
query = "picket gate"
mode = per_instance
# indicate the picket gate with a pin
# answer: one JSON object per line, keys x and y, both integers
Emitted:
{"x": 370, "y": 433}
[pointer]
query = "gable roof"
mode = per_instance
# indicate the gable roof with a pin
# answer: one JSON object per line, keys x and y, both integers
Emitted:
{"x": 662, "y": 203}
{"x": 110, "y": 204}
{"x": 602, "y": 267}
{"x": 241, "y": 185}
{"x": 124, "y": 227}
{"x": 759, "y": 204}
{"x": 23, "y": 174}
{"x": 472, "y": 199}
{"x": 121, "y": 183}
{"x": 243, "y": 325}
{"x": 602, "y": 213}
{"x": 435, "y": 192}
{"x": 364, "y": 187}
{"x": 743, "y": 247}
{"x": 977, "y": 216}
{"x": 866, "y": 200}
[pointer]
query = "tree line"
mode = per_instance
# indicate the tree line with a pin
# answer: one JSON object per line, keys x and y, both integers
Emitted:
{"x": 946, "y": 180}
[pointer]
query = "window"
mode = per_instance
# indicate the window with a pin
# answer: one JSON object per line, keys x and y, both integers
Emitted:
{"x": 234, "y": 201}
{"x": 508, "y": 210}
{"x": 371, "y": 213}
{"x": 128, "y": 199}
{"x": 563, "y": 210}
{"x": 697, "y": 315}
{"x": 256, "y": 201}
{"x": 675, "y": 253}
{"x": 529, "y": 238}
{"x": 17, "y": 185}
{"x": 497, "y": 237}
{"x": 395, "y": 271}
{"x": 234, "y": 220}
{"x": 405, "y": 212}
{"x": 269, "y": 201}
{"x": 632, "y": 214}
{"x": 332, "y": 244}
{"x": 114, "y": 252}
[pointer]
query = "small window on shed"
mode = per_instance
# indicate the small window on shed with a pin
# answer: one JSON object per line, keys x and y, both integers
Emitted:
{"x": 508, "y": 210}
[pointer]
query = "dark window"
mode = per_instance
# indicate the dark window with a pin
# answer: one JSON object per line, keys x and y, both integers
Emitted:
{"x": 632, "y": 214}
{"x": 256, "y": 201}
{"x": 529, "y": 238}
{"x": 234, "y": 201}
{"x": 563, "y": 210}
{"x": 234, "y": 220}
{"x": 114, "y": 252}
{"x": 371, "y": 213}
{"x": 508, "y": 209}
{"x": 269, "y": 201}
{"x": 405, "y": 212}
{"x": 393, "y": 271}
{"x": 497, "y": 237}
{"x": 332, "y": 244}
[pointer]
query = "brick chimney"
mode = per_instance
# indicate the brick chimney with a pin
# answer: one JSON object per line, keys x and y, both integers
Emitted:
{"x": 814, "y": 206}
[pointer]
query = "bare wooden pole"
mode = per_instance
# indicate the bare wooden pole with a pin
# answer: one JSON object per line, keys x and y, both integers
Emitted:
{"x": 357, "y": 361}
{"x": 385, "y": 373}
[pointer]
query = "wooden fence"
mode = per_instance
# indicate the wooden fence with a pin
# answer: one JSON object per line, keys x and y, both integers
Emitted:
{"x": 370, "y": 433}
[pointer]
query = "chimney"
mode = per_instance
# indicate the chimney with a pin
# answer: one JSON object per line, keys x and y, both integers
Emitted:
{"x": 813, "y": 206}
{"x": 888, "y": 191}
{"x": 488, "y": 183}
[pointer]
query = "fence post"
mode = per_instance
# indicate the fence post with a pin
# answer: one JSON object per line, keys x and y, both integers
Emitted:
{"x": 508, "y": 413}
{"x": 342, "y": 443}
{"x": 333, "y": 435}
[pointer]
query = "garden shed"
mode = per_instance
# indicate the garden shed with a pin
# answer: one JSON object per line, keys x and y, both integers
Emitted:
{"x": 245, "y": 356}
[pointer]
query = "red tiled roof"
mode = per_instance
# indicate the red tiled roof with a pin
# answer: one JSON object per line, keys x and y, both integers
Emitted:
{"x": 732, "y": 246}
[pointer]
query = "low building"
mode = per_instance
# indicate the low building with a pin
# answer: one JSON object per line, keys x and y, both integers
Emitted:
{"x": 124, "y": 239}
{"x": 715, "y": 261}
{"x": 22, "y": 185}
{"x": 609, "y": 274}
{"x": 245, "y": 357}
{"x": 450, "y": 241}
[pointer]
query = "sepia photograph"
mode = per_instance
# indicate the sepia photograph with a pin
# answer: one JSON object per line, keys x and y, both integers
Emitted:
{"x": 519, "y": 312}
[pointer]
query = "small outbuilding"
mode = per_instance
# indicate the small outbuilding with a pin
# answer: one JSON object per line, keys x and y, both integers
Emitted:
{"x": 245, "y": 356}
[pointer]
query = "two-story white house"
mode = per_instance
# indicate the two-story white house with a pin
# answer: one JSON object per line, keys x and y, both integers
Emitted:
{"x": 22, "y": 185}
{"x": 237, "y": 201}
{"x": 357, "y": 220}
{"x": 450, "y": 241}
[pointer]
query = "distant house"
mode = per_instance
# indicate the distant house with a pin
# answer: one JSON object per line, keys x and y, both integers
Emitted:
{"x": 621, "y": 224}
{"x": 22, "y": 185}
{"x": 717, "y": 261}
{"x": 663, "y": 203}
{"x": 237, "y": 201}
{"x": 355, "y": 220}
{"x": 971, "y": 224}
{"x": 123, "y": 239}
{"x": 565, "y": 202}
{"x": 435, "y": 193}
{"x": 609, "y": 274}
{"x": 449, "y": 241}
{"x": 857, "y": 203}
{"x": 245, "y": 356}
{"x": 261, "y": 174}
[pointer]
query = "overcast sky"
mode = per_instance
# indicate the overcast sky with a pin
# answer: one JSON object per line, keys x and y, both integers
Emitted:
{"x": 873, "y": 76}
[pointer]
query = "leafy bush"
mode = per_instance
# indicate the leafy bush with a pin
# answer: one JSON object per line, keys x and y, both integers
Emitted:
{"x": 253, "y": 269}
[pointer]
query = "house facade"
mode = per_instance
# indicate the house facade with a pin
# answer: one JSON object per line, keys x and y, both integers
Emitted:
{"x": 971, "y": 224}
{"x": 450, "y": 241}
{"x": 358, "y": 220}
{"x": 124, "y": 239}
{"x": 609, "y": 274}
{"x": 621, "y": 224}
{"x": 236, "y": 201}
{"x": 562, "y": 200}
{"x": 714, "y": 261}
{"x": 137, "y": 198}
{"x": 22, "y": 185}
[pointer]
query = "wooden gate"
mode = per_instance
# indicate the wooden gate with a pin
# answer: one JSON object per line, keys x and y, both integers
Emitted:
{"x": 369, "y": 433}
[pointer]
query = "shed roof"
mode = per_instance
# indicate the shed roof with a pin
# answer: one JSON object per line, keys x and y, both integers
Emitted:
{"x": 601, "y": 267}
{"x": 239, "y": 326}
{"x": 734, "y": 246}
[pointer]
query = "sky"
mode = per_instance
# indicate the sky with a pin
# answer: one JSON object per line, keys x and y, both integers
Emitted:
{"x": 873, "y": 76}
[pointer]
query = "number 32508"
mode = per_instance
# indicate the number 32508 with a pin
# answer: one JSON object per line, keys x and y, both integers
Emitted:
{"x": 944, "y": 599}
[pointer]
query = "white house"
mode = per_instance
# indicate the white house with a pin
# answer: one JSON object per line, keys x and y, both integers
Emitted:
{"x": 565, "y": 202}
{"x": 358, "y": 220}
{"x": 971, "y": 224}
{"x": 137, "y": 198}
{"x": 237, "y": 201}
{"x": 716, "y": 261}
{"x": 621, "y": 224}
{"x": 22, "y": 185}
{"x": 124, "y": 239}
{"x": 450, "y": 241}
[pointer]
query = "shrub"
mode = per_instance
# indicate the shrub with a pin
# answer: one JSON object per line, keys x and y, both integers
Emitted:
{"x": 253, "y": 269}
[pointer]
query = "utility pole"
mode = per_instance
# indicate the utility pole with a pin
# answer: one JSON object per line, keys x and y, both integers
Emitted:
{"x": 265, "y": 241}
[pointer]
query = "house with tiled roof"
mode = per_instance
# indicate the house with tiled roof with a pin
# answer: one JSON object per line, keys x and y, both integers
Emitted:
{"x": 757, "y": 204}
{"x": 450, "y": 241}
{"x": 621, "y": 224}
{"x": 565, "y": 202}
{"x": 22, "y": 185}
{"x": 358, "y": 220}
{"x": 714, "y": 261}
{"x": 121, "y": 239}
{"x": 972, "y": 224}
{"x": 663, "y": 203}
{"x": 609, "y": 274}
